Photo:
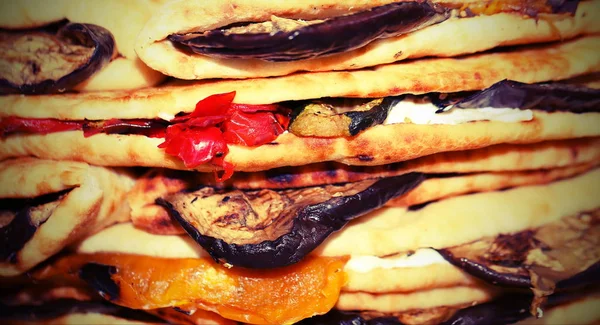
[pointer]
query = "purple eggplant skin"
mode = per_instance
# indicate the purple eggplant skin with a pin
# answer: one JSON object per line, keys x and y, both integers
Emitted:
{"x": 88, "y": 35}
{"x": 98, "y": 276}
{"x": 21, "y": 229}
{"x": 61, "y": 307}
{"x": 311, "y": 226}
{"x": 362, "y": 120}
{"x": 587, "y": 277}
{"x": 548, "y": 97}
{"x": 591, "y": 276}
{"x": 15, "y": 235}
{"x": 563, "y": 6}
{"x": 485, "y": 273}
{"x": 336, "y": 35}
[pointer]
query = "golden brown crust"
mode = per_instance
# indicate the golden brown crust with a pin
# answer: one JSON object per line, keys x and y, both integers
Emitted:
{"x": 94, "y": 202}
{"x": 468, "y": 217}
{"x": 30, "y": 177}
{"x": 531, "y": 64}
{"x": 450, "y": 38}
{"x": 383, "y": 144}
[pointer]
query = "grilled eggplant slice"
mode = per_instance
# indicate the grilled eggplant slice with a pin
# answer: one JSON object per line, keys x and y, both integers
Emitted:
{"x": 549, "y": 97}
{"x": 44, "y": 63}
{"x": 557, "y": 256}
{"x": 339, "y": 120}
{"x": 289, "y": 40}
{"x": 267, "y": 228}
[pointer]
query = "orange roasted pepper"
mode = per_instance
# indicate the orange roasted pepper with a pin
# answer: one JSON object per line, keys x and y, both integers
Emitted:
{"x": 278, "y": 296}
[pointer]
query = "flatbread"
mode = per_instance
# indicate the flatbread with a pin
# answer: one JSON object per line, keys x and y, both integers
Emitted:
{"x": 397, "y": 302}
{"x": 436, "y": 189}
{"x": 124, "y": 19}
{"x": 450, "y": 38}
{"x": 468, "y": 218}
{"x": 382, "y": 144}
{"x": 408, "y": 279}
{"x": 147, "y": 215}
{"x": 94, "y": 202}
{"x": 378, "y": 145}
{"x": 497, "y": 158}
{"x": 556, "y": 61}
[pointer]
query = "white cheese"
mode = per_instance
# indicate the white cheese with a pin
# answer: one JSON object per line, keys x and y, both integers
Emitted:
{"x": 420, "y": 111}
{"x": 166, "y": 116}
{"x": 422, "y": 257}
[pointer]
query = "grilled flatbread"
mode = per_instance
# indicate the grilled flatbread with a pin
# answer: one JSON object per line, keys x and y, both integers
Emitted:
{"x": 425, "y": 299}
{"x": 453, "y": 37}
{"x": 556, "y": 61}
{"x": 123, "y": 19}
{"x": 49, "y": 204}
{"x": 468, "y": 217}
{"x": 376, "y": 145}
{"x": 147, "y": 215}
{"x": 497, "y": 158}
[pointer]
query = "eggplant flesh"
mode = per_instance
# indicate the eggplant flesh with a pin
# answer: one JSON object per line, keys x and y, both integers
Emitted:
{"x": 268, "y": 229}
{"x": 335, "y": 119}
{"x": 548, "y": 97}
{"x": 37, "y": 62}
{"x": 20, "y": 219}
{"x": 335, "y": 35}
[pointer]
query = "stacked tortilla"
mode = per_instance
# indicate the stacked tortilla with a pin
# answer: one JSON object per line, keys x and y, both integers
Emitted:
{"x": 433, "y": 166}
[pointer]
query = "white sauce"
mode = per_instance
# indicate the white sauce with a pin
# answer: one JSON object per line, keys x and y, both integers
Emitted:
{"x": 422, "y": 257}
{"x": 420, "y": 111}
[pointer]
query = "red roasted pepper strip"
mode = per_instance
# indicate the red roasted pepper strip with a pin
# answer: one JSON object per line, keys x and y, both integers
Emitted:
{"x": 196, "y": 138}
{"x": 202, "y": 136}
{"x": 149, "y": 128}
{"x": 10, "y": 125}
{"x": 213, "y": 105}
{"x": 195, "y": 146}
{"x": 251, "y": 129}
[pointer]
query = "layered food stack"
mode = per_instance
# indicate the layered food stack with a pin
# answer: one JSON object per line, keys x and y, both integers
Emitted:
{"x": 315, "y": 162}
